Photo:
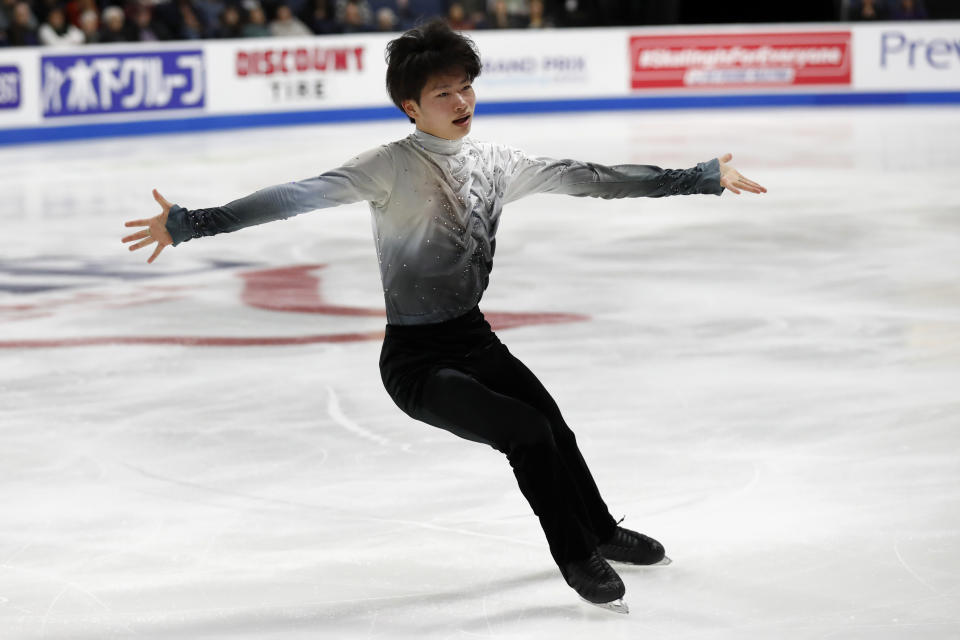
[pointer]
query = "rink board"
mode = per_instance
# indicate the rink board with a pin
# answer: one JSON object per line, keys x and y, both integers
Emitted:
{"x": 129, "y": 89}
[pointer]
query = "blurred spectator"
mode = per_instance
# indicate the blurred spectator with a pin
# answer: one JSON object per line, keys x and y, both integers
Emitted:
{"x": 115, "y": 27}
{"x": 320, "y": 18}
{"x": 536, "y": 17}
{"x": 56, "y": 32}
{"x": 22, "y": 31}
{"x": 191, "y": 25}
{"x": 208, "y": 12}
{"x": 183, "y": 19}
{"x": 869, "y": 10}
{"x": 502, "y": 18}
{"x": 42, "y": 9}
{"x": 6, "y": 17}
{"x": 909, "y": 10}
{"x": 405, "y": 14}
{"x": 386, "y": 19}
{"x": 75, "y": 8}
{"x": 286, "y": 25}
{"x": 90, "y": 26}
{"x": 256, "y": 26}
{"x": 146, "y": 28}
{"x": 457, "y": 18}
{"x": 353, "y": 20}
{"x": 475, "y": 12}
{"x": 517, "y": 7}
{"x": 421, "y": 10}
{"x": 343, "y": 9}
{"x": 229, "y": 26}
{"x": 6, "y": 13}
{"x": 499, "y": 18}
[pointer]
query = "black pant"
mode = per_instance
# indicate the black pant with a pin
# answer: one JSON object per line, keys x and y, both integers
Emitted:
{"x": 458, "y": 376}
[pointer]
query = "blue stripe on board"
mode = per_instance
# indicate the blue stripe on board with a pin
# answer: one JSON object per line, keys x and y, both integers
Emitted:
{"x": 209, "y": 123}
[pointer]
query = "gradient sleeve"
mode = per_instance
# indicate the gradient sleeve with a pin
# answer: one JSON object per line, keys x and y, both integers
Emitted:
{"x": 370, "y": 176}
{"x": 527, "y": 175}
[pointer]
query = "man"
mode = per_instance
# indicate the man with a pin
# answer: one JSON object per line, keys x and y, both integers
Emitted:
{"x": 436, "y": 198}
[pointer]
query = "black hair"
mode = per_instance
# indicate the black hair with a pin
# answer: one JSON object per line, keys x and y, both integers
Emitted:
{"x": 427, "y": 49}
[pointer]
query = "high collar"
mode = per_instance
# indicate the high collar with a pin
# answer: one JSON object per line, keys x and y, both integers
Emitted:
{"x": 437, "y": 145}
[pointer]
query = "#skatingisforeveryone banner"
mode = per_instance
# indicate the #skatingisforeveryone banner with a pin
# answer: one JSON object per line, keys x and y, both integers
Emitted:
{"x": 741, "y": 60}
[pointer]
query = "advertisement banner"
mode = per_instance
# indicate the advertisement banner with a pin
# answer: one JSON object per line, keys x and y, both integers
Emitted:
{"x": 9, "y": 87}
{"x": 116, "y": 89}
{"x": 111, "y": 83}
{"x": 18, "y": 88}
{"x": 741, "y": 60}
{"x": 283, "y": 74}
{"x": 523, "y": 66}
{"x": 908, "y": 56}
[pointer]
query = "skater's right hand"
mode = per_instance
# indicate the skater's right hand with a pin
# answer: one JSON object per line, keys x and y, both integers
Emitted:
{"x": 156, "y": 230}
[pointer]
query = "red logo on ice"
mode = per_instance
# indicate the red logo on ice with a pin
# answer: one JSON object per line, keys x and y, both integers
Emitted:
{"x": 297, "y": 289}
{"x": 740, "y": 60}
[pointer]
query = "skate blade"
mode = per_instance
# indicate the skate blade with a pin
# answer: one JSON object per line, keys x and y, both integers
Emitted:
{"x": 660, "y": 563}
{"x": 617, "y": 606}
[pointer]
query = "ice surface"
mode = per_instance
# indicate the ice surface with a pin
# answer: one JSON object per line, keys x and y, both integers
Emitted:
{"x": 769, "y": 385}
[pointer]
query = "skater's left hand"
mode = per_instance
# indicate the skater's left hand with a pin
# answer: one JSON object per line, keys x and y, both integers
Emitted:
{"x": 732, "y": 180}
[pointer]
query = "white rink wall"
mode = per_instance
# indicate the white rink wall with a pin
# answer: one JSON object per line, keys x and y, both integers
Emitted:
{"x": 130, "y": 89}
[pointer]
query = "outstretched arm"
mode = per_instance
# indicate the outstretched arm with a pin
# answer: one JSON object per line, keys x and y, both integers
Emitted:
{"x": 369, "y": 176}
{"x": 528, "y": 175}
{"x": 175, "y": 224}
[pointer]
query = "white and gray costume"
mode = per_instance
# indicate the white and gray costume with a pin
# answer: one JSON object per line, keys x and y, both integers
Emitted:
{"x": 436, "y": 206}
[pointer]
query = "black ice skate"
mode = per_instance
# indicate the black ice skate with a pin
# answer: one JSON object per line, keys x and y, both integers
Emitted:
{"x": 596, "y": 582}
{"x": 633, "y": 548}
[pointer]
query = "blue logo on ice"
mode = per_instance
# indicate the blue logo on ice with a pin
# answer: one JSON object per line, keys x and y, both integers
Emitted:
{"x": 9, "y": 87}
{"x": 116, "y": 83}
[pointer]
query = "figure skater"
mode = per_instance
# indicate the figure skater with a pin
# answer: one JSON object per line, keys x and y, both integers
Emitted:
{"x": 436, "y": 197}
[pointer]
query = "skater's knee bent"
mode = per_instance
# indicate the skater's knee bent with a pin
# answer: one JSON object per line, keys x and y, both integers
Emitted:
{"x": 563, "y": 435}
{"x": 533, "y": 431}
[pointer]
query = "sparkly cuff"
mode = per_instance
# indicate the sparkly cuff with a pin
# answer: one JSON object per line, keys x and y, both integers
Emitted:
{"x": 183, "y": 224}
{"x": 708, "y": 180}
{"x": 703, "y": 178}
{"x": 178, "y": 225}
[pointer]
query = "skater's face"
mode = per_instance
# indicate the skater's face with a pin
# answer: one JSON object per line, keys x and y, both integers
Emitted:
{"x": 445, "y": 108}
